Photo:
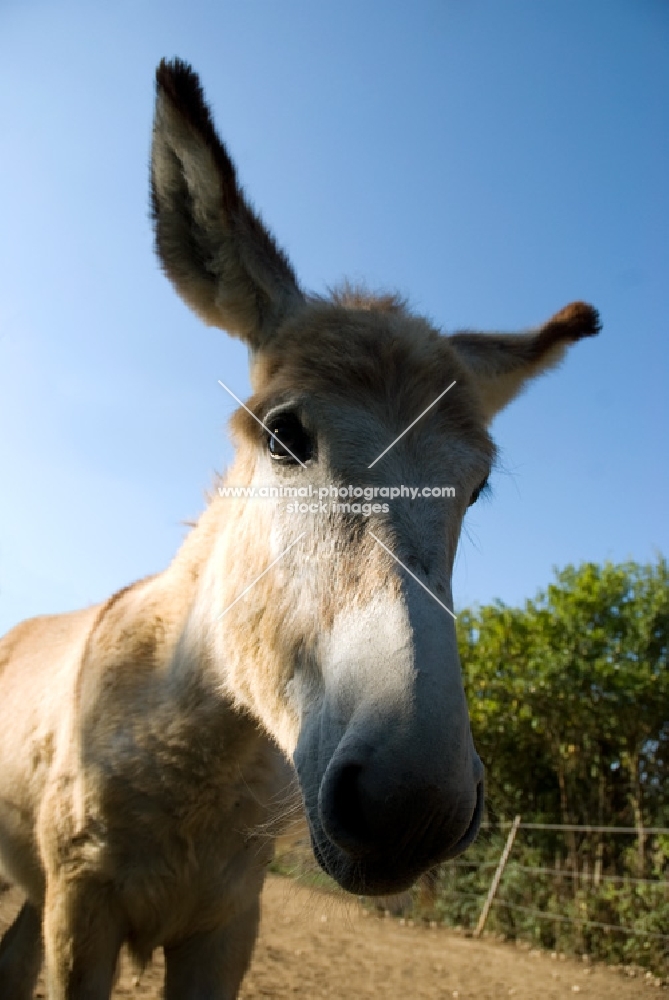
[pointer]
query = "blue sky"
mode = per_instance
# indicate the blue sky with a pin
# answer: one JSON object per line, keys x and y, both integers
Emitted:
{"x": 491, "y": 161}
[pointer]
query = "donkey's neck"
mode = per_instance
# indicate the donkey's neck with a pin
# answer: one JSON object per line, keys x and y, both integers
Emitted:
{"x": 186, "y": 592}
{"x": 154, "y": 671}
{"x": 235, "y": 659}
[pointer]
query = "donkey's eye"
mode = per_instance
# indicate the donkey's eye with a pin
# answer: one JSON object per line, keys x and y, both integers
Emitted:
{"x": 478, "y": 491}
{"x": 292, "y": 442}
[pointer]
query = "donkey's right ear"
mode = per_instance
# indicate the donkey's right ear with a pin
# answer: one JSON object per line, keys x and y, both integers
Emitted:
{"x": 212, "y": 245}
{"x": 503, "y": 363}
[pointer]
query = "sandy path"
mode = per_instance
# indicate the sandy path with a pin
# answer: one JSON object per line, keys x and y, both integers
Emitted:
{"x": 312, "y": 945}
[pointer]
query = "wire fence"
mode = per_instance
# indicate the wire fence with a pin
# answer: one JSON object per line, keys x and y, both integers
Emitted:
{"x": 566, "y": 887}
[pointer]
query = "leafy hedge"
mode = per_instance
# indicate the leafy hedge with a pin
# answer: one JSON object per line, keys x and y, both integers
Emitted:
{"x": 569, "y": 703}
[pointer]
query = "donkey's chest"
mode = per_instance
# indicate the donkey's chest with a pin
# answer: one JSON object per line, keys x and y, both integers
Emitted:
{"x": 182, "y": 830}
{"x": 189, "y": 883}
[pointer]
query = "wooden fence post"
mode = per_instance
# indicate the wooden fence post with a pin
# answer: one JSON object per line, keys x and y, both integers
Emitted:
{"x": 498, "y": 875}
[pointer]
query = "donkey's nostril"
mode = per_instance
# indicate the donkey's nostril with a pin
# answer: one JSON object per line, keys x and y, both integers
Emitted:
{"x": 346, "y": 813}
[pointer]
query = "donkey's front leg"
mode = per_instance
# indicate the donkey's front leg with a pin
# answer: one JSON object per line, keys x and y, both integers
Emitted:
{"x": 21, "y": 954}
{"x": 211, "y": 966}
{"x": 83, "y": 934}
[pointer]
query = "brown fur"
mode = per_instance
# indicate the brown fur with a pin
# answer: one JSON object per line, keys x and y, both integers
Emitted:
{"x": 147, "y": 743}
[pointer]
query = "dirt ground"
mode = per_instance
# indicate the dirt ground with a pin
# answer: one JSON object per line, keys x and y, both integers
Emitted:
{"x": 313, "y": 945}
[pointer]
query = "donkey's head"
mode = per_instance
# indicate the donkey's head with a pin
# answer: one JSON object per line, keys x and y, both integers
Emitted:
{"x": 344, "y": 647}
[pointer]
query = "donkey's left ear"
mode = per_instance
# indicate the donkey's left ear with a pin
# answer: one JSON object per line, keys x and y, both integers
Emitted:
{"x": 212, "y": 245}
{"x": 502, "y": 363}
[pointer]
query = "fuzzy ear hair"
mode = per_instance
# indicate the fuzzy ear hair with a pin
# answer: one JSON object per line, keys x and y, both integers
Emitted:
{"x": 502, "y": 363}
{"x": 212, "y": 245}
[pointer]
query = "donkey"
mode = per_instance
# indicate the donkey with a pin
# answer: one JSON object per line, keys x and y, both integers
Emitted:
{"x": 149, "y": 743}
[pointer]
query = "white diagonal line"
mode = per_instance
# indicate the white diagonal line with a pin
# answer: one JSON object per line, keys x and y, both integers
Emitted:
{"x": 261, "y": 575}
{"x": 393, "y": 443}
{"x": 259, "y": 421}
{"x": 413, "y": 576}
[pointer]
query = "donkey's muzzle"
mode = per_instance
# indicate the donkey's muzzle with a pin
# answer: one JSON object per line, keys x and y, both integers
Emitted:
{"x": 376, "y": 830}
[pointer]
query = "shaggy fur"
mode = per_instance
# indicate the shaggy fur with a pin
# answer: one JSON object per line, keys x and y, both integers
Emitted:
{"x": 150, "y": 745}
